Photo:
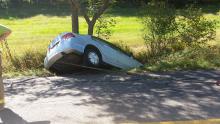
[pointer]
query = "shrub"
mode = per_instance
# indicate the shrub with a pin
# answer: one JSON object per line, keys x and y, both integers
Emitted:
{"x": 167, "y": 30}
{"x": 159, "y": 27}
{"x": 103, "y": 27}
{"x": 194, "y": 28}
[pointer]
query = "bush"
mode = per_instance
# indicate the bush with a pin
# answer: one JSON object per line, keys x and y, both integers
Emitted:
{"x": 103, "y": 27}
{"x": 194, "y": 28}
{"x": 159, "y": 28}
{"x": 167, "y": 30}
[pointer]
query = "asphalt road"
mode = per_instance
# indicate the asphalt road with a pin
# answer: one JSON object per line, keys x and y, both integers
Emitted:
{"x": 97, "y": 98}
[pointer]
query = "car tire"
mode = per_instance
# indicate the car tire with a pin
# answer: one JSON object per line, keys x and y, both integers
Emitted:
{"x": 92, "y": 58}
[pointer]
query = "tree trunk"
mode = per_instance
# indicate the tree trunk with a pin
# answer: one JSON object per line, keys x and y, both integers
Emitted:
{"x": 91, "y": 26}
{"x": 75, "y": 21}
{"x": 75, "y": 16}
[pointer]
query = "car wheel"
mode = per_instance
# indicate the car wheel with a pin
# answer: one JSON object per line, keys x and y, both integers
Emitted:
{"x": 92, "y": 58}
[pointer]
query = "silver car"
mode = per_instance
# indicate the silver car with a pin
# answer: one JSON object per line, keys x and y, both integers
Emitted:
{"x": 68, "y": 50}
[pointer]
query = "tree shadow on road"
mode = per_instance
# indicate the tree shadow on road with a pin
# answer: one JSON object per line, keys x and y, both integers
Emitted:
{"x": 143, "y": 97}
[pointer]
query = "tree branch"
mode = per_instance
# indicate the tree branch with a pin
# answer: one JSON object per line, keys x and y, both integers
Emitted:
{"x": 75, "y": 4}
{"x": 101, "y": 10}
{"x": 86, "y": 18}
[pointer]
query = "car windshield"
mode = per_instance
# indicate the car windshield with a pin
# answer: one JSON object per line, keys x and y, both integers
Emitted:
{"x": 111, "y": 45}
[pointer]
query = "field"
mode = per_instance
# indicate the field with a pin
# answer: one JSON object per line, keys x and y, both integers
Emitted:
{"x": 34, "y": 27}
{"x": 37, "y": 31}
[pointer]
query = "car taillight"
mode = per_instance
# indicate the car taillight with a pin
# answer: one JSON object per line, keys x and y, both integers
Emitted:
{"x": 67, "y": 36}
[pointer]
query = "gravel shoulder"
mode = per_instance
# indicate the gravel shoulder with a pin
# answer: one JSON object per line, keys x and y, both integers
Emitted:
{"x": 106, "y": 98}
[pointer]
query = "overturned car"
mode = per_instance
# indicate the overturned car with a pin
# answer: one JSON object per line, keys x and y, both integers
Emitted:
{"x": 68, "y": 50}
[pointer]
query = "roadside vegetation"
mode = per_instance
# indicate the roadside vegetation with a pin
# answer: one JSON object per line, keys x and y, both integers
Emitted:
{"x": 176, "y": 39}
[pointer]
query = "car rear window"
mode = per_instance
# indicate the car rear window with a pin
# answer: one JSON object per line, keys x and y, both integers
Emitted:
{"x": 54, "y": 42}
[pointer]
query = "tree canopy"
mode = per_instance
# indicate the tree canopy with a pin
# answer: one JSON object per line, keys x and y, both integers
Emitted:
{"x": 91, "y": 11}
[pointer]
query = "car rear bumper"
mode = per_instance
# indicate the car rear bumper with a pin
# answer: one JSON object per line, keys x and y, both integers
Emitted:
{"x": 48, "y": 62}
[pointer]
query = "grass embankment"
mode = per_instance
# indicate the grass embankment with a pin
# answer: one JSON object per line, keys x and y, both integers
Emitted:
{"x": 33, "y": 29}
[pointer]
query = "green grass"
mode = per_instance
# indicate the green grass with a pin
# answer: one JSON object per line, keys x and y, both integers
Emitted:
{"x": 34, "y": 28}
